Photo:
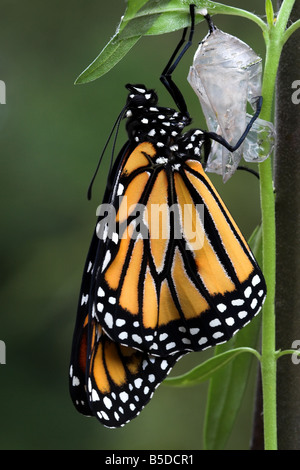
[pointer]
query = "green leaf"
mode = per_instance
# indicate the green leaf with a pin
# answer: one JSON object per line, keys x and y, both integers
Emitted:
{"x": 113, "y": 52}
{"x": 226, "y": 390}
{"x": 207, "y": 369}
{"x": 135, "y": 23}
{"x": 228, "y": 385}
{"x": 255, "y": 243}
{"x": 270, "y": 13}
{"x": 151, "y": 18}
{"x": 289, "y": 31}
{"x": 171, "y": 15}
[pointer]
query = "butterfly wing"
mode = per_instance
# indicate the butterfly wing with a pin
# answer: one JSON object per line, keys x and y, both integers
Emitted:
{"x": 79, "y": 353}
{"x": 183, "y": 282}
{"x": 107, "y": 380}
{"x": 121, "y": 379}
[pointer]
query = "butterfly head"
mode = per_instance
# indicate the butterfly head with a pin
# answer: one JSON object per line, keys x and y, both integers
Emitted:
{"x": 140, "y": 97}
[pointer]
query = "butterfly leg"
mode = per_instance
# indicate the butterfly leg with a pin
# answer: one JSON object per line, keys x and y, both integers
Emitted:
{"x": 218, "y": 138}
{"x": 166, "y": 76}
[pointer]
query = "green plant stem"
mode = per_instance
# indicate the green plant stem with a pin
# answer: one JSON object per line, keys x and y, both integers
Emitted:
{"x": 286, "y": 352}
{"x": 274, "y": 42}
{"x": 268, "y": 359}
{"x": 291, "y": 30}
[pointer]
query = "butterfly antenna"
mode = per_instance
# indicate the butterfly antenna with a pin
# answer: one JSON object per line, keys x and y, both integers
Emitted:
{"x": 116, "y": 124}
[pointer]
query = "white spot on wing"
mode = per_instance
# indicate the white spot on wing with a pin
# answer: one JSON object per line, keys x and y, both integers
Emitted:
{"x": 138, "y": 382}
{"x": 247, "y": 292}
{"x": 75, "y": 381}
{"x": 95, "y": 396}
{"x": 237, "y": 302}
{"x": 137, "y": 339}
{"x": 100, "y": 292}
{"x": 120, "y": 189}
{"x": 255, "y": 280}
{"x": 108, "y": 319}
{"x": 106, "y": 260}
{"x": 221, "y": 307}
{"x": 123, "y": 335}
{"x": 124, "y": 397}
{"x": 107, "y": 402}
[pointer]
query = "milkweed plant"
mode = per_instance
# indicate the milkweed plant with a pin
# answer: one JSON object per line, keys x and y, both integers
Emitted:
{"x": 228, "y": 369}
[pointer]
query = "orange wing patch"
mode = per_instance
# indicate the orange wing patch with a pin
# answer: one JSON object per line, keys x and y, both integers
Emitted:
{"x": 157, "y": 218}
{"x": 192, "y": 226}
{"x": 240, "y": 260}
{"x": 167, "y": 309}
{"x": 150, "y": 304}
{"x": 138, "y": 159}
{"x": 129, "y": 292}
{"x": 132, "y": 196}
{"x": 122, "y": 380}
{"x": 191, "y": 301}
{"x": 211, "y": 271}
{"x": 114, "y": 270}
{"x": 99, "y": 371}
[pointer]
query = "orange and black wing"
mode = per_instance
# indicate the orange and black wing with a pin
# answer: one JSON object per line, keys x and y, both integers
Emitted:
{"x": 175, "y": 273}
{"x": 112, "y": 382}
{"x": 107, "y": 380}
{"x": 80, "y": 344}
{"x": 122, "y": 380}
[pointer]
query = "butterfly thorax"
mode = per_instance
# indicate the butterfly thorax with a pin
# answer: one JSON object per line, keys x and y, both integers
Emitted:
{"x": 161, "y": 126}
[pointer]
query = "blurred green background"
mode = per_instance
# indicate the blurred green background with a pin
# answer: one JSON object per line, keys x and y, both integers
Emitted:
{"x": 52, "y": 133}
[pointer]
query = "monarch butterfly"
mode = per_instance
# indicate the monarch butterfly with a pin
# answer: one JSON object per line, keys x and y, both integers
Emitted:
{"x": 157, "y": 284}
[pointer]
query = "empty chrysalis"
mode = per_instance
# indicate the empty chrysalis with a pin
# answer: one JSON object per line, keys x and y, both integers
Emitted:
{"x": 226, "y": 75}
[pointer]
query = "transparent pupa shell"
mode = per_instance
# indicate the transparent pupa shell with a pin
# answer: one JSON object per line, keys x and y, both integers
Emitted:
{"x": 225, "y": 75}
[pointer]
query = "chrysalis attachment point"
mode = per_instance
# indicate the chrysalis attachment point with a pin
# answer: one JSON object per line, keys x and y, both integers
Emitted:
{"x": 260, "y": 141}
{"x": 202, "y": 11}
{"x": 226, "y": 75}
